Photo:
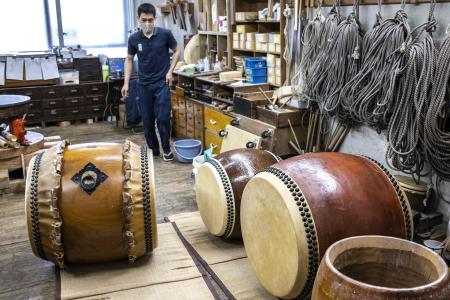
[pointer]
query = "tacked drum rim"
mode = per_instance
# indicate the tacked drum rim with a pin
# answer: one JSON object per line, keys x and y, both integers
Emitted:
{"x": 406, "y": 209}
{"x": 229, "y": 196}
{"x": 138, "y": 198}
{"x": 307, "y": 220}
{"x": 32, "y": 192}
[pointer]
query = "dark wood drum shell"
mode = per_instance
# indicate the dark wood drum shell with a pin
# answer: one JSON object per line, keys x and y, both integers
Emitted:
{"x": 219, "y": 185}
{"x": 377, "y": 267}
{"x": 306, "y": 203}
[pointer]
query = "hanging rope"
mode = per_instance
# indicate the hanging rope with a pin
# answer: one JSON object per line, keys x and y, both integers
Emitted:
{"x": 437, "y": 135}
{"x": 406, "y": 127}
{"x": 289, "y": 37}
{"x": 368, "y": 97}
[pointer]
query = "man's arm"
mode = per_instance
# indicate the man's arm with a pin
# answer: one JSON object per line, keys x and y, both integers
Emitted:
{"x": 128, "y": 70}
{"x": 175, "y": 58}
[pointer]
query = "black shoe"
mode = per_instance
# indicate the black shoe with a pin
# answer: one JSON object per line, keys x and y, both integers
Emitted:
{"x": 168, "y": 156}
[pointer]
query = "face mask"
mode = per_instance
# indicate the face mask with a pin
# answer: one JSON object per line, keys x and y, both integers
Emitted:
{"x": 147, "y": 27}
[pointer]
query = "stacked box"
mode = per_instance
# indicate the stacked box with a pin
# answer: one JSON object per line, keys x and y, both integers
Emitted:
{"x": 246, "y": 28}
{"x": 250, "y": 45}
{"x": 271, "y": 60}
{"x": 246, "y": 16}
{"x": 261, "y": 46}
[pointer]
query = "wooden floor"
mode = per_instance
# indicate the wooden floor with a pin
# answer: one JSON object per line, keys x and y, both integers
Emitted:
{"x": 24, "y": 276}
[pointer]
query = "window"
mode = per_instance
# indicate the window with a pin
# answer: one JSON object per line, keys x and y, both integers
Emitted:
{"x": 23, "y": 26}
{"x": 99, "y": 23}
{"x": 31, "y": 25}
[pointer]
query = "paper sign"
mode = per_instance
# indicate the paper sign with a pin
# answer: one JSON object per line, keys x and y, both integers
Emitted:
{"x": 2, "y": 73}
{"x": 14, "y": 68}
{"x": 49, "y": 68}
{"x": 33, "y": 69}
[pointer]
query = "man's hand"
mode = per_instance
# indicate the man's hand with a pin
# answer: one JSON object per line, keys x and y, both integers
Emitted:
{"x": 124, "y": 91}
{"x": 169, "y": 78}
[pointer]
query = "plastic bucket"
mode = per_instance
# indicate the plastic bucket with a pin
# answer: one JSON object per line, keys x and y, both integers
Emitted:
{"x": 187, "y": 150}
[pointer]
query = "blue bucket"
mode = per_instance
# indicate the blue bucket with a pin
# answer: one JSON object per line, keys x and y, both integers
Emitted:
{"x": 187, "y": 150}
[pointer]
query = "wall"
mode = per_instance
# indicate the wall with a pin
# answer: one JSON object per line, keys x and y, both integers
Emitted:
{"x": 367, "y": 141}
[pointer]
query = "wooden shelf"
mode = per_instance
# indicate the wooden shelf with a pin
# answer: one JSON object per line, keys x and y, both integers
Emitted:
{"x": 256, "y": 51}
{"x": 258, "y": 21}
{"x": 274, "y": 84}
{"x": 212, "y": 33}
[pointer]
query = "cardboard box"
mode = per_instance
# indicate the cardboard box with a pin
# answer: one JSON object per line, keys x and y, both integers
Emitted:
{"x": 261, "y": 46}
{"x": 242, "y": 44}
{"x": 235, "y": 36}
{"x": 246, "y": 28}
{"x": 270, "y": 60}
{"x": 278, "y": 62}
{"x": 277, "y": 48}
{"x": 262, "y": 37}
{"x": 235, "y": 44}
{"x": 271, "y": 47}
{"x": 270, "y": 71}
{"x": 250, "y": 45}
{"x": 274, "y": 38}
{"x": 250, "y": 36}
{"x": 242, "y": 37}
{"x": 246, "y": 16}
{"x": 278, "y": 72}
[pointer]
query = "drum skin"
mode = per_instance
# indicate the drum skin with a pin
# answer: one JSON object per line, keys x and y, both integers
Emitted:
{"x": 377, "y": 267}
{"x": 294, "y": 210}
{"x": 219, "y": 185}
{"x": 87, "y": 204}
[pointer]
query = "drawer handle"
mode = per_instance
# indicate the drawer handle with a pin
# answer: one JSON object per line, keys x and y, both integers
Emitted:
{"x": 75, "y": 101}
{"x": 223, "y": 133}
{"x": 95, "y": 99}
{"x": 73, "y": 91}
{"x": 51, "y": 92}
{"x": 75, "y": 111}
{"x": 52, "y": 102}
{"x": 95, "y": 109}
{"x": 94, "y": 89}
{"x": 31, "y": 104}
{"x": 213, "y": 122}
{"x": 53, "y": 112}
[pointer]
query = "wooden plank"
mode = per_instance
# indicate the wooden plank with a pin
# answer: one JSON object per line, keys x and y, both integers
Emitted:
{"x": 4, "y": 179}
{"x": 16, "y": 162}
{"x": 52, "y": 138}
{"x": 36, "y": 142}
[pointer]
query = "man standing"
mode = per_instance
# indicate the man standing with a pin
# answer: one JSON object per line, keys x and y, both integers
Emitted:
{"x": 152, "y": 44}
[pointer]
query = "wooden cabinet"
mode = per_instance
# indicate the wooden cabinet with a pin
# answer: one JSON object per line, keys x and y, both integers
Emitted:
{"x": 63, "y": 103}
{"x": 215, "y": 120}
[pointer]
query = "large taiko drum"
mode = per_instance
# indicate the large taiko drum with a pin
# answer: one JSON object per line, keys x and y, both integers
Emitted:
{"x": 219, "y": 184}
{"x": 294, "y": 210}
{"x": 380, "y": 267}
{"x": 91, "y": 203}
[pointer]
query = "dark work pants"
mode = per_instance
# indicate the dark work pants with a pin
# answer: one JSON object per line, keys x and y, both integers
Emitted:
{"x": 155, "y": 105}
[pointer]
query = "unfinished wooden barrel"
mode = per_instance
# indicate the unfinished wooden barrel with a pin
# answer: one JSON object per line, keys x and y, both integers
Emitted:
{"x": 378, "y": 267}
{"x": 294, "y": 210}
{"x": 91, "y": 203}
{"x": 219, "y": 184}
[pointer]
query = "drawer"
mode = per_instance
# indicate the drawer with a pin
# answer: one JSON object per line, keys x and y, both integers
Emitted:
{"x": 70, "y": 102}
{"x": 190, "y": 120}
{"x": 73, "y": 91}
{"x": 198, "y": 135}
{"x": 86, "y": 63}
{"x": 95, "y": 89}
{"x": 94, "y": 100}
{"x": 33, "y": 93}
{"x": 91, "y": 75}
{"x": 189, "y": 107}
{"x": 94, "y": 110}
{"x": 215, "y": 120}
{"x": 53, "y": 103}
{"x": 52, "y": 92}
{"x": 198, "y": 109}
{"x": 34, "y": 116}
{"x": 190, "y": 133}
{"x": 74, "y": 112}
{"x": 174, "y": 99}
{"x": 34, "y": 105}
{"x": 182, "y": 103}
{"x": 180, "y": 131}
{"x": 213, "y": 139}
{"x": 54, "y": 113}
{"x": 198, "y": 124}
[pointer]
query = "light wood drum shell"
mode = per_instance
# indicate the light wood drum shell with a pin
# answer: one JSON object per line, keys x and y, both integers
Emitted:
{"x": 91, "y": 203}
{"x": 294, "y": 210}
{"x": 379, "y": 267}
{"x": 219, "y": 184}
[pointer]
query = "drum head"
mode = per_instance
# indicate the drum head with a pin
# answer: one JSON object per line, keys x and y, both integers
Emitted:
{"x": 408, "y": 184}
{"x": 274, "y": 237}
{"x": 211, "y": 199}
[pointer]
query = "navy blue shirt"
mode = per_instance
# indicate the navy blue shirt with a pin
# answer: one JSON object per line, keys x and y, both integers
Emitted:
{"x": 153, "y": 54}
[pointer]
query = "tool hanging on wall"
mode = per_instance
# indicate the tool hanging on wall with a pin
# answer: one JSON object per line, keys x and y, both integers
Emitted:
{"x": 405, "y": 132}
{"x": 368, "y": 97}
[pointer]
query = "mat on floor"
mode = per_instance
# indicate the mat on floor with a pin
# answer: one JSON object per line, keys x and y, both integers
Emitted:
{"x": 225, "y": 260}
{"x": 169, "y": 273}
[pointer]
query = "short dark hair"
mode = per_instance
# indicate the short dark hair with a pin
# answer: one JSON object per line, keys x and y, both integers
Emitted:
{"x": 146, "y": 8}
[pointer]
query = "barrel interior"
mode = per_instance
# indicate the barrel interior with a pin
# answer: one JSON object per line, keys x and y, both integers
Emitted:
{"x": 385, "y": 267}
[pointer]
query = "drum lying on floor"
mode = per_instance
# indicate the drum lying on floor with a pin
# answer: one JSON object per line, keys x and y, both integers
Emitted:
{"x": 91, "y": 203}
{"x": 294, "y": 210}
{"x": 379, "y": 267}
{"x": 219, "y": 184}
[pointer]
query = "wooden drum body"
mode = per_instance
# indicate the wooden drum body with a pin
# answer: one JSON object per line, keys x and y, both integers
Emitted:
{"x": 91, "y": 203}
{"x": 294, "y": 210}
{"x": 219, "y": 184}
{"x": 377, "y": 267}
